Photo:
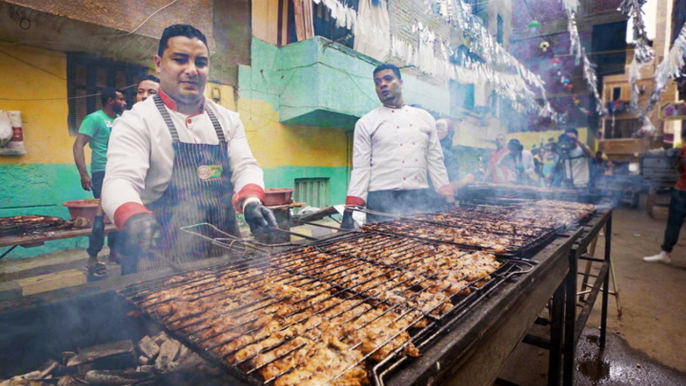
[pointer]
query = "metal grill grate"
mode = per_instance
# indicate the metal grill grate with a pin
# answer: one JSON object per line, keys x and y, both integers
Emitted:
{"x": 362, "y": 298}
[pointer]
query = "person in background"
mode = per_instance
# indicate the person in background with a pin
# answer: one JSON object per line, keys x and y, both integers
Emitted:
{"x": 445, "y": 134}
{"x": 598, "y": 166}
{"x": 395, "y": 151}
{"x": 95, "y": 131}
{"x": 493, "y": 173}
{"x": 576, "y": 165}
{"x": 517, "y": 164}
{"x": 147, "y": 87}
{"x": 677, "y": 211}
{"x": 176, "y": 159}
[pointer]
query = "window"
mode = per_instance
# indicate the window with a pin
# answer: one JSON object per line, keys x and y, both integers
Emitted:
{"x": 616, "y": 93}
{"x": 461, "y": 96}
{"x": 324, "y": 24}
{"x": 499, "y": 36}
{"x": 621, "y": 128}
{"x": 313, "y": 191}
{"x": 87, "y": 76}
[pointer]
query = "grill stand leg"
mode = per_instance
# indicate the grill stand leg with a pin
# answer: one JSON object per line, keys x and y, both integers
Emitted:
{"x": 606, "y": 284}
{"x": 570, "y": 319}
{"x": 556, "y": 326}
{"x": 587, "y": 270}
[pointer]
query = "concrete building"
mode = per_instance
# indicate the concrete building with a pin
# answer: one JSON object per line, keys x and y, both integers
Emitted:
{"x": 299, "y": 96}
{"x": 617, "y": 89}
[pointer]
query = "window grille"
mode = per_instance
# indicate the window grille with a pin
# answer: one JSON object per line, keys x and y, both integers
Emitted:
{"x": 313, "y": 191}
{"x": 87, "y": 76}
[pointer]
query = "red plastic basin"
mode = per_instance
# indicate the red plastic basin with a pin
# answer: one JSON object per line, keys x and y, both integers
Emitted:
{"x": 84, "y": 208}
{"x": 277, "y": 196}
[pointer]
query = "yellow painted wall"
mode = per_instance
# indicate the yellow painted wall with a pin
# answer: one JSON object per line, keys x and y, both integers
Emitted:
{"x": 29, "y": 74}
{"x": 275, "y": 144}
{"x": 528, "y": 139}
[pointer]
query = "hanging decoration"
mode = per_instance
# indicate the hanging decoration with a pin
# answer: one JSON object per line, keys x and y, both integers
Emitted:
{"x": 515, "y": 86}
{"x": 670, "y": 67}
{"x": 344, "y": 15}
{"x": 642, "y": 50}
{"x": 534, "y": 26}
{"x": 580, "y": 57}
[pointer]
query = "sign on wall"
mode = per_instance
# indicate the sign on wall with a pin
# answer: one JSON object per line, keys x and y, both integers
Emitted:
{"x": 673, "y": 111}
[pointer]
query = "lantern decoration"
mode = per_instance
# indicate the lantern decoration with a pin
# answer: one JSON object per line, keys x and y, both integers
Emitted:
{"x": 534, "y": 26}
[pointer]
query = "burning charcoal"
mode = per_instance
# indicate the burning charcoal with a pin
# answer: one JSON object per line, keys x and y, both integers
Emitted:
{"x": 183, "y": 352}
{"x": 116, "y": 378}
{"x": 111, "y": 355}
{"x": 145, "y": 369}
{"x": 71, "y": 381}
{"x": 160, "y": 338}
{"x": 67, "y": 356}
{"x": 21, "y": 382}
{"x": 190, "y": 361}
{"x": 168, "y": 352}
{"x": 47, "y": 368}
{"x": 148, "y": 347}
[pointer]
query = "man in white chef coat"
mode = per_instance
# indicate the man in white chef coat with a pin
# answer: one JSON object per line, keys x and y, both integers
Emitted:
{"x": 179, "y": 159}
{"x": 396, "y": 150}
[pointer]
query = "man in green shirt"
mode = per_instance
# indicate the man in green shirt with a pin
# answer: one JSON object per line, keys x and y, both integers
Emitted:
{"x": 95, "y": 130}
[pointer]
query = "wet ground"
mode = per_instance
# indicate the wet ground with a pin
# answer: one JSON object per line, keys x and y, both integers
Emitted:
{"x": 646, "y": 345}
{"x": 619, "y": 364}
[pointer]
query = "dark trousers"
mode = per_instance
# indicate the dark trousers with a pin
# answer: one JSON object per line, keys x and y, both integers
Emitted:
{"x": 97, "y": 178}
{"x": 677, "y": 215}
{"x": 398, "y": 202}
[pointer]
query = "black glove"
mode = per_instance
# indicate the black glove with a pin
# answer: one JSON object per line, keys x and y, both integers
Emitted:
{"x": 258, "y": 216}
{"x": 348, "y": 222}
{"x": 140, "y": 235}
{"x": 97, "y": 238}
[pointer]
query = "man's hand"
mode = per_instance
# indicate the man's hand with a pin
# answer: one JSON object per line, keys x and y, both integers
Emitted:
{"x": 258, "y": 216}
{"x": 141, "y": 234}
{"x": 348, "y": 222}
{"x": 97, "y": 237}
{"x": 86, "y": 182}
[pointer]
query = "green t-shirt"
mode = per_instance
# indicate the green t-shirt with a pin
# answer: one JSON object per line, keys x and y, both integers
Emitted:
{"x": 98, "y": 126}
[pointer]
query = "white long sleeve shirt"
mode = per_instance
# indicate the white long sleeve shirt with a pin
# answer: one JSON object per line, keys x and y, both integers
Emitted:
{"x": 393, "y": 150}
{"x": 509, "y": 163}
{"x": 140, "y": 156}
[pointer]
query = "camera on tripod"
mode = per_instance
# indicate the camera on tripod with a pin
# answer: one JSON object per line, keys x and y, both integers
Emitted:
{"x": 564, "y": 145}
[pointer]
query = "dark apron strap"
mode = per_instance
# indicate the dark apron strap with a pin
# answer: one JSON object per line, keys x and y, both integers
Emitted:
{"x": 172, "y": 128}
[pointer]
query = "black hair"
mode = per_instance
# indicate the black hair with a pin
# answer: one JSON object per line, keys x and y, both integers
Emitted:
{"x": 515, "y": 144}
{"x": 572, "y": 130}
{"x": 180, "y": 30}
{"x": 151, "y": 78}
{"x": 107, "y": 94}
{"x": 388, "y": 66}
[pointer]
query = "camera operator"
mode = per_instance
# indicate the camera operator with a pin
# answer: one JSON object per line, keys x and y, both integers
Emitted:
{"x": 572, "y": 164}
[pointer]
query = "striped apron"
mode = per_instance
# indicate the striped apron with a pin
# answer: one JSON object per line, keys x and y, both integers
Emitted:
{"x": 199, "y": 190}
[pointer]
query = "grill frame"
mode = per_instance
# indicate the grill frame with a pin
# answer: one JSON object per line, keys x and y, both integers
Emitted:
{"x": 422, "y": 337}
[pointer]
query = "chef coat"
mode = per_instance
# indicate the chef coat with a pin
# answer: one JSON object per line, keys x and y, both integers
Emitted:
{"x": 579, "y": 167}
{"x": 393, "y": 150}
{"x": 140, "y": 156}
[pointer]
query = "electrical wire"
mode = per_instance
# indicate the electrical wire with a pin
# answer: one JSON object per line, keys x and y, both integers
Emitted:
{"x": 60, "y": 99}
{"x": 31, "y": 65}
{"x": 102, "y": 36}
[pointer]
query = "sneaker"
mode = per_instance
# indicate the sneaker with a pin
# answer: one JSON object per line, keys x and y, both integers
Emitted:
{"x": 662, "y": 257}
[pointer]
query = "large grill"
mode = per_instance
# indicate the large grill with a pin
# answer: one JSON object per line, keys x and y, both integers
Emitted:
{"x": 362, "y": 299}
{"x": 348, "y": 308}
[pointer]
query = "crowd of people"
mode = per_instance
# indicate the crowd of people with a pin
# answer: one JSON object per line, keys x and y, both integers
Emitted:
{"x": 568, "y": 163}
